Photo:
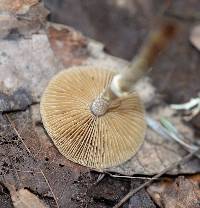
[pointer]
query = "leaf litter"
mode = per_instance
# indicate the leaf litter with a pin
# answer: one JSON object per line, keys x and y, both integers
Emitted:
{"x": 29, "y": 158}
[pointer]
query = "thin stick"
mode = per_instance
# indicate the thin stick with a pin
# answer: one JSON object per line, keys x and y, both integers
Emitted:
{"x": 26, "y": 171}
{"x": 50, "y": 188}
{"x": 128, "y": 177}
{"x": 100, "y": 178}
{"x": 132, "y": 192}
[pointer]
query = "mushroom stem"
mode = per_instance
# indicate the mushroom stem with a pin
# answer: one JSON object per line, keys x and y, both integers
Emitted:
{"x": 156, "y": 42}
{"x": 122, "y": 83}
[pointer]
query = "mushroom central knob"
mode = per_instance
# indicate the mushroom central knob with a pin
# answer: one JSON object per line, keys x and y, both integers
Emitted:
{"x": 99, "y": 106}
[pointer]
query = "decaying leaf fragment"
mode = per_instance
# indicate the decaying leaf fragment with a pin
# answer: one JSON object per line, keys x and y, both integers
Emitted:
{"x": 69, "y": 46}
{"x": 21, "y": 18}
{"x": 25, "y": 199}
{"x": 181, "y": 193}
{"x": 17, "y": 6}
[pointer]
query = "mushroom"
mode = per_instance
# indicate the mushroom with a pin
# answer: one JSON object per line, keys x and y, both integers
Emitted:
{"x": 93, "y": 115}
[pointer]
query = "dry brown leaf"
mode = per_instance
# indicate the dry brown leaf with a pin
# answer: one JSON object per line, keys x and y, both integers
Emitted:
{"x": 23, "y": 198}
{"x": 181, "y": 193}
{"x": 29, "y": 19}
{"x": 68, "y": 45}
{"x": 195, "y": 37}
{"x": 17, "y": 6}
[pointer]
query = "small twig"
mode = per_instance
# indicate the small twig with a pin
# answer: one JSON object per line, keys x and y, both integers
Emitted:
{"x": 26, "y": 171}
{"x": 50, "y": 188}
{"x": 128, "y": 177}
{"x": 102, "y": 175}
{"x": 132, "y": 192}
{"x": 100, "y": 178}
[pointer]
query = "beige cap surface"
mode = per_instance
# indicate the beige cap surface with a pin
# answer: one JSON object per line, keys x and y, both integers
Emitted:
{"x": 92, "y": 141}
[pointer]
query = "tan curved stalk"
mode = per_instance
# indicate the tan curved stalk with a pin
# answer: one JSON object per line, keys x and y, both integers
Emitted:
{"x": 123, "y": 83}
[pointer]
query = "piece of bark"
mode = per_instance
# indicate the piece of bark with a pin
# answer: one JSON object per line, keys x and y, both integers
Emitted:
{"x": 184, "y": 192}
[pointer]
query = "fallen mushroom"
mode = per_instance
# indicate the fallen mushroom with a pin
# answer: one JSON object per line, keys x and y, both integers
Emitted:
{"x": 93, "y": 115}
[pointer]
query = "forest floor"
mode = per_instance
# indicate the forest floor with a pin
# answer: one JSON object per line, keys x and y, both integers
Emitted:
{"x": 32, "y": 50}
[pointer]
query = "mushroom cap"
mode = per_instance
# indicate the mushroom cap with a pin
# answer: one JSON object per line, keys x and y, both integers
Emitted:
{"x": 97, "y": 142}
